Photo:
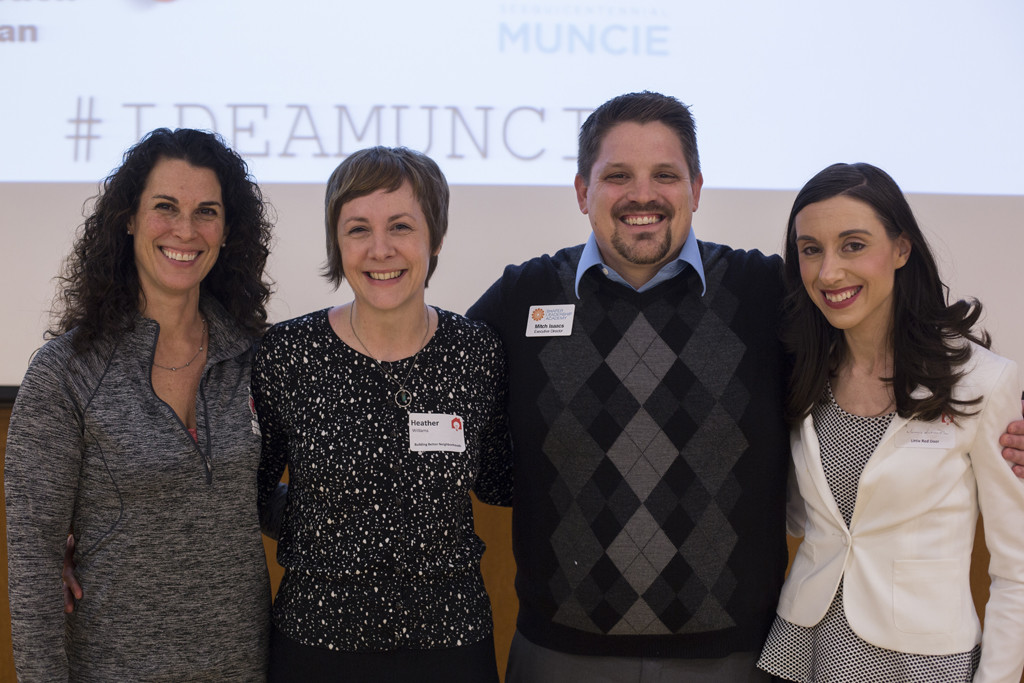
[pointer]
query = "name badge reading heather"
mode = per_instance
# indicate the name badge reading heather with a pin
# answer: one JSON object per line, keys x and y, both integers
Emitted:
{"x": 436, "y": 432}
{"x": 550, "y": 321}
{"x": 917, "y": 434}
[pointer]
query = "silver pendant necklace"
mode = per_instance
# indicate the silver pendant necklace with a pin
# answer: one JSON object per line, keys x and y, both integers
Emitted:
{"x": 402, "y": 396}
{"x": 182, "y": 367}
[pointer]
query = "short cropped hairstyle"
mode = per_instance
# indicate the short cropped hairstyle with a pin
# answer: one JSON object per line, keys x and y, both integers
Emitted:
{"x": 99, "y": 286}
{"x": 385, "y": 168}
{"x": 637, "y": 107}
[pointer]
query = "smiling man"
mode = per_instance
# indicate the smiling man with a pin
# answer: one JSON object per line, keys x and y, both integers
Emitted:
{"x": 646, "y": 394}
{"x": 640, "y": 194}
{"x": 651, "y": 454}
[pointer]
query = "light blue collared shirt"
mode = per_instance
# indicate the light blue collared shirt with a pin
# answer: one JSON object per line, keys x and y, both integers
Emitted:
{"x": 688, "y": 255}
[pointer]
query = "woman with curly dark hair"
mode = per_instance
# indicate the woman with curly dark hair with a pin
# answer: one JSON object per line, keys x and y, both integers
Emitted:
{"x": 897, "y": 405}
{"x": 135, "y": 430}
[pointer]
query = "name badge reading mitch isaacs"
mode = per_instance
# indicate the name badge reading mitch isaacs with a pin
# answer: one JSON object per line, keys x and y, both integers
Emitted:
{"x": 550, "y": 321}
{"x": 436, "y": 432}
{"x": 937, "y": 434}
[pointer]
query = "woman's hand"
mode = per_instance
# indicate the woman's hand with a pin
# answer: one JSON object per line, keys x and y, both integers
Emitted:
{"x": 1013, "y": 445}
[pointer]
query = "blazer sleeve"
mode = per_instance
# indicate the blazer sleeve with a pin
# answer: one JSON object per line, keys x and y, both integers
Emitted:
{"x": 45, "y": 448}
{"x": 1001, "y": 501}
{"x": 796, "y": 512}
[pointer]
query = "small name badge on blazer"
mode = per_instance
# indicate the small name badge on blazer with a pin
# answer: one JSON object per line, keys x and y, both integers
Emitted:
{"x": 917, "y": 434}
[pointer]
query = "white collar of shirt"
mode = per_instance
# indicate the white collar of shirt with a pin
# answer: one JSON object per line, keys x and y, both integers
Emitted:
{"x": 688, "y": 255}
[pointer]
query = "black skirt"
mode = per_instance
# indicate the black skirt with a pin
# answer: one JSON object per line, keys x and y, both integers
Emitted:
{"x": 291, "y": 660}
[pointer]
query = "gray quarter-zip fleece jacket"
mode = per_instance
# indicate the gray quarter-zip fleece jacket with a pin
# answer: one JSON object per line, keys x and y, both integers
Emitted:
{"x": 168, "y": 542}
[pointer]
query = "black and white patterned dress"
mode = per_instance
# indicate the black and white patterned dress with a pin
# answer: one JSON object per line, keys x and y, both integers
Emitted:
{"x": 377, "y": 540}
{"x": 830, "y": 652}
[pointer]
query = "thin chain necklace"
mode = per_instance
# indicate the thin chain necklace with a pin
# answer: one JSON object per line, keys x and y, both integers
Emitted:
{"x": 402, "y": 396}
{"x": 202, "y": 339}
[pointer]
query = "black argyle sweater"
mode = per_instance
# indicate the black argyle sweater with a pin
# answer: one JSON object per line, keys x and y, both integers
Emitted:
{"x": 650, "y": 456}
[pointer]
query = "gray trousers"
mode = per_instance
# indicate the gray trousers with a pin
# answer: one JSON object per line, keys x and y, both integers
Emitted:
{"x": 530, "y": 663}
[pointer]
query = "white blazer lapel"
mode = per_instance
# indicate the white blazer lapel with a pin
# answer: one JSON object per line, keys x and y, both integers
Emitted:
{"x": 811, "y": 452}
{"x": 886, "y": 447}
{"x": 887, "y": 444}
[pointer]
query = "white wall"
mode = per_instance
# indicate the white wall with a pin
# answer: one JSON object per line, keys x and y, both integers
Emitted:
{"x": 977, "y": 241}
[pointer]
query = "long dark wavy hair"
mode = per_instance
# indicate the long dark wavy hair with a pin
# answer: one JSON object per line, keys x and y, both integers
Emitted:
{"x": 99, "y": 290}
{"x": 927, "y": 331}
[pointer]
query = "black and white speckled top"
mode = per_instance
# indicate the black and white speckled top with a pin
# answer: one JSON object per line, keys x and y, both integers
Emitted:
{"x": 377, "y": 540}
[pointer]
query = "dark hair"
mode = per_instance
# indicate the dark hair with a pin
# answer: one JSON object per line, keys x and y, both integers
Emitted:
{"x": 927, "y": 331}
{"x": 100, "y": 284}
{"x": 385, "y": 168}
{"x": 637, "y": 107}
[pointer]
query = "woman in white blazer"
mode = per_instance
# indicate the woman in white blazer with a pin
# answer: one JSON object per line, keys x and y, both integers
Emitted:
{"x": 897, "y": 406}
